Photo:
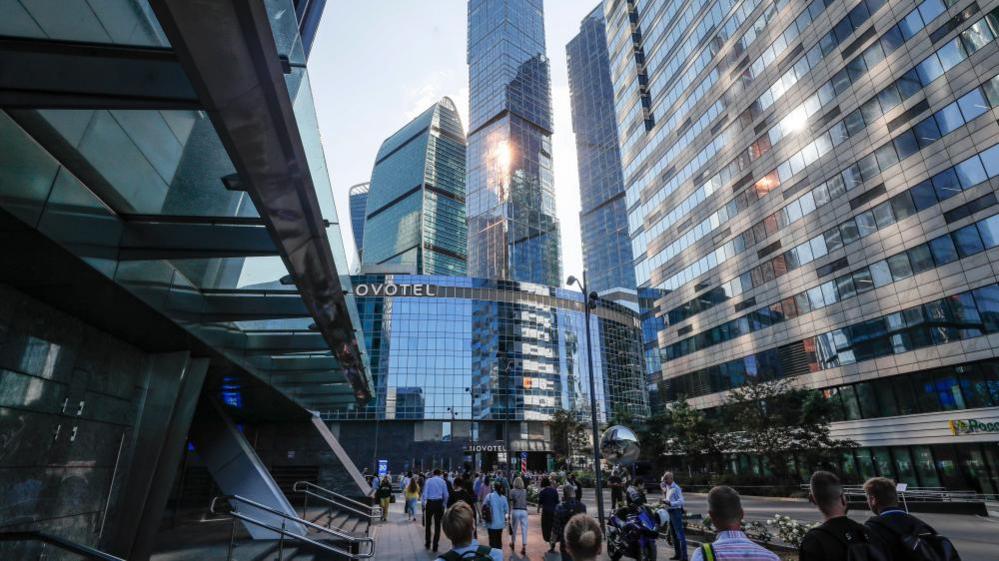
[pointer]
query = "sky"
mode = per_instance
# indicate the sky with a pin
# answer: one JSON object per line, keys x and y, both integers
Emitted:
{"x": 377, "y": 64}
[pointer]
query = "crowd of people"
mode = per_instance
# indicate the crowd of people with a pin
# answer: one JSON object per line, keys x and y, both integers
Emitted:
{"x": 462, "y": 502}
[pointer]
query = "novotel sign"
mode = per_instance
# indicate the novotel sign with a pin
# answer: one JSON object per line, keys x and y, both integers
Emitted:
{"x": 392, "y": 289}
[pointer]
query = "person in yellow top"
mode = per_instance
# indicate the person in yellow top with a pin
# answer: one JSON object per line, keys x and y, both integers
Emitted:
{"x": 412, "y": 492}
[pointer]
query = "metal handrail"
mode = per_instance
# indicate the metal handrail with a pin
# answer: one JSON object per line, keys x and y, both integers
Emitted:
{"x": 305, "y": 487}
{"x": 283, "y": 532}
{"x": 61, "y": 543}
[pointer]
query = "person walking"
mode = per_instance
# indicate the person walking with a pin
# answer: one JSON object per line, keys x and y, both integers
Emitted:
{"x": 459, "y": 527}
{"x": 579, "y": 488}
{"x": 673, "y": 497}
{"x": 616, "y": 485}
{"x": 838, "y": 536}
{"x": 411, "y": 494}
{"x": 495, "y": 509}
{"x": 731, "y": 543}
{"x": 904, "y": 536}
{"x": 547, "y": 502}
{"x": 563, "y": 513}
{"x": 434, "y": 497}
{"x": 384, "y": 496}
{"x": 518, "y": 515}
{"x": 583, "y": 538}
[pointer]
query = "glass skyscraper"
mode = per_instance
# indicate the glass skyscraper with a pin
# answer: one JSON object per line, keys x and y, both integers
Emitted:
{"x": 513, "y": 231}
{"x": 416, "y": 200}
{"x": 358, "y": 209}
{"x": 812, "y": 185}
{"x": 603, "y": 218}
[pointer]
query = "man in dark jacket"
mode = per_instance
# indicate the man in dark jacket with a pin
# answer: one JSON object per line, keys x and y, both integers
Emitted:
{"x": 891, "y": 522}
{"x": 831, "y": 540}
{"x": 547, "y": 502}
{"x": 563, "y": 512}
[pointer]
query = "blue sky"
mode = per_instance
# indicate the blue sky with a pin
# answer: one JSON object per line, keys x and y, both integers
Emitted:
{"x": 377, "y": 64}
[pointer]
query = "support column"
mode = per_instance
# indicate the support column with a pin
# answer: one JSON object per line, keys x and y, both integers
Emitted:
{"x": 342, "y": 455}
{"x": 237, "y": 469}
{"x": 173, "y": 383}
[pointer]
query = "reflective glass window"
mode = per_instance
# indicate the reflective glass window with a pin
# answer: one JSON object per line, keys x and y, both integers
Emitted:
{"x": 968, "y": 241}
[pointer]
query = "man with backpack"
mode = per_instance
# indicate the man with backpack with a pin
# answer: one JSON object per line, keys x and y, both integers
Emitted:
{"x": 459, "y": 527}
{"x": 906, "y": 537}
{"x": 838, "y": 538}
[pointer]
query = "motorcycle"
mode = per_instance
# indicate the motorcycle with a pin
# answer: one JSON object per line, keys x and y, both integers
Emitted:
{"x": 632, "y": 532}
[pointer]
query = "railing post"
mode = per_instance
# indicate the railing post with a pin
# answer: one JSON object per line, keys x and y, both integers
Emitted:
{"x": 232, "y": 539}
{"x": 281, "y": 541}
{"x": 305, "y": 507}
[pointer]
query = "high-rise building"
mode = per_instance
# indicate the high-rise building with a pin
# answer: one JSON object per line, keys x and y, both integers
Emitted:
{"x": 603, "y": 218}
{"x": 416, "y": 201}
{"x": 513, "y": 231}
{"x": 358, "y": 208}
{"x": 811, "y": 184}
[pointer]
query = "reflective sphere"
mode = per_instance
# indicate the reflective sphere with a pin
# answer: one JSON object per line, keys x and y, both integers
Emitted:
{"x": 619, "y": 445}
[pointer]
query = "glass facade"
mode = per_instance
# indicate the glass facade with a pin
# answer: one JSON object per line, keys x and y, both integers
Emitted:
{"x": 486, "y": 350}
{"x": 416, "y": 200}
{"x": 358, "y": 212}
{"x": 512, "y": 225}
{"x": 603, "y": 218}
{"x": 811, "y": 192}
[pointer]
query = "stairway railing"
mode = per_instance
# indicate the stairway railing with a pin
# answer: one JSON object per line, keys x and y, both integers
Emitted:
{"x": 334, "y": 499}
{"x": 359, "y": 547}
{"x": 60, "y": 543}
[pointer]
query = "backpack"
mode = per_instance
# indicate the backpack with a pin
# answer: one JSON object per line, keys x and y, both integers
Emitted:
{"x": 860, "y": 546}
{"x": 924, "y": 544}
{"x": 480, "y": 553}
{"x": 487, "y": 509}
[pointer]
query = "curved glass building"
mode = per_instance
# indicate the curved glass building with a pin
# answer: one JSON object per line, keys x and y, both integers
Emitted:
{"x": 416, "y": 200}
{"x": 458, "y": 361}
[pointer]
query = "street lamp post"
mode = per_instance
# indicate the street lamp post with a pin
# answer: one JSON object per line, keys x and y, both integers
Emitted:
{"x": 589, "y": 302}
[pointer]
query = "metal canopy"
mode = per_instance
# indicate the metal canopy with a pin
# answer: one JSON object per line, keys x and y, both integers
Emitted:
{"x": 232, "y": 61}
{"x": 158, "y": 237}
{"x": 36, "y": 73}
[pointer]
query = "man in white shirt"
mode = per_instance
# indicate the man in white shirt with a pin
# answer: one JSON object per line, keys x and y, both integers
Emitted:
{"x": 731, "y": 543}
{"x": 673, "y": 497}
{"x": 434, "y": 498}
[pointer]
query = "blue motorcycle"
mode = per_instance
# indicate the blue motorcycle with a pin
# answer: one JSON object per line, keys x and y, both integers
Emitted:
{"x": 632, "y": 532}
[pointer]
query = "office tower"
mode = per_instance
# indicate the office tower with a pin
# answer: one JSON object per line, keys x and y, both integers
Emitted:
{"x": 513, "y": 231}
{"x": 416, "y": 202}
{"x": 813, "y": 184}
{"x": 358, "y": 208}
{"x": 603, "y": 218}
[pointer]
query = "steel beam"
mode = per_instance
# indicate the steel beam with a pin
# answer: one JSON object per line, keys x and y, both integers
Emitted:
{"x": 232, "y": 61}
{"x": 41, "y": 73}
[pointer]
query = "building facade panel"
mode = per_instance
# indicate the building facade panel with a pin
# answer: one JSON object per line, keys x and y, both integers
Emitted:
{"x": 811, "y": 188}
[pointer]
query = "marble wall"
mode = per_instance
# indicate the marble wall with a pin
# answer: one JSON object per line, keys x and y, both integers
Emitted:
{"x": 69, "y": 397}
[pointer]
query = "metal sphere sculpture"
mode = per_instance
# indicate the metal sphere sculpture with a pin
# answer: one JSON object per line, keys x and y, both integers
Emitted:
{"x": 619, "y": 446}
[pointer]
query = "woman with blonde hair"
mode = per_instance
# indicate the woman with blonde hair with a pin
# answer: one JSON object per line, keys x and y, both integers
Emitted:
{"x": 583, "y": 538}
{"x": 412, "y": 496}
{"x": 518, "y": 515}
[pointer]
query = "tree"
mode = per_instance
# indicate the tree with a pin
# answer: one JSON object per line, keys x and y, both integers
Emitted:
{"x": 692, "y": 434}
{"x": 780, "y": 422}
{"x": 568, "y": 435}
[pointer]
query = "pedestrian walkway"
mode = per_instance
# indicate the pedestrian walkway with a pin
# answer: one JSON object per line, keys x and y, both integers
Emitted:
{"x": 402, "y": 540}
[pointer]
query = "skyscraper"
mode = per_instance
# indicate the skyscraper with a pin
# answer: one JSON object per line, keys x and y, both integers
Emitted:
{"x": 603, "y": 218}
{"x": 416, "y": 201}
{"x": 812, "y": 184}
{"x": 513, "y": 231}
{"x": 358, "y": 209}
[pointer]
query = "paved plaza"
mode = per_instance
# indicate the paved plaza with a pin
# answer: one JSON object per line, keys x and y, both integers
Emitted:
{"x": 401, "y": 540}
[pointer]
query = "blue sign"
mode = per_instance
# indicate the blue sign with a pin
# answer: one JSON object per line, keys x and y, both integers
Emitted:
{"x": 523, "y": 455}
{"x": 382, "y": 468}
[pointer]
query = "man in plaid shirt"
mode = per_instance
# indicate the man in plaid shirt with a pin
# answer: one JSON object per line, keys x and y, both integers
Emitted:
{"x": 731, "y": 543}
